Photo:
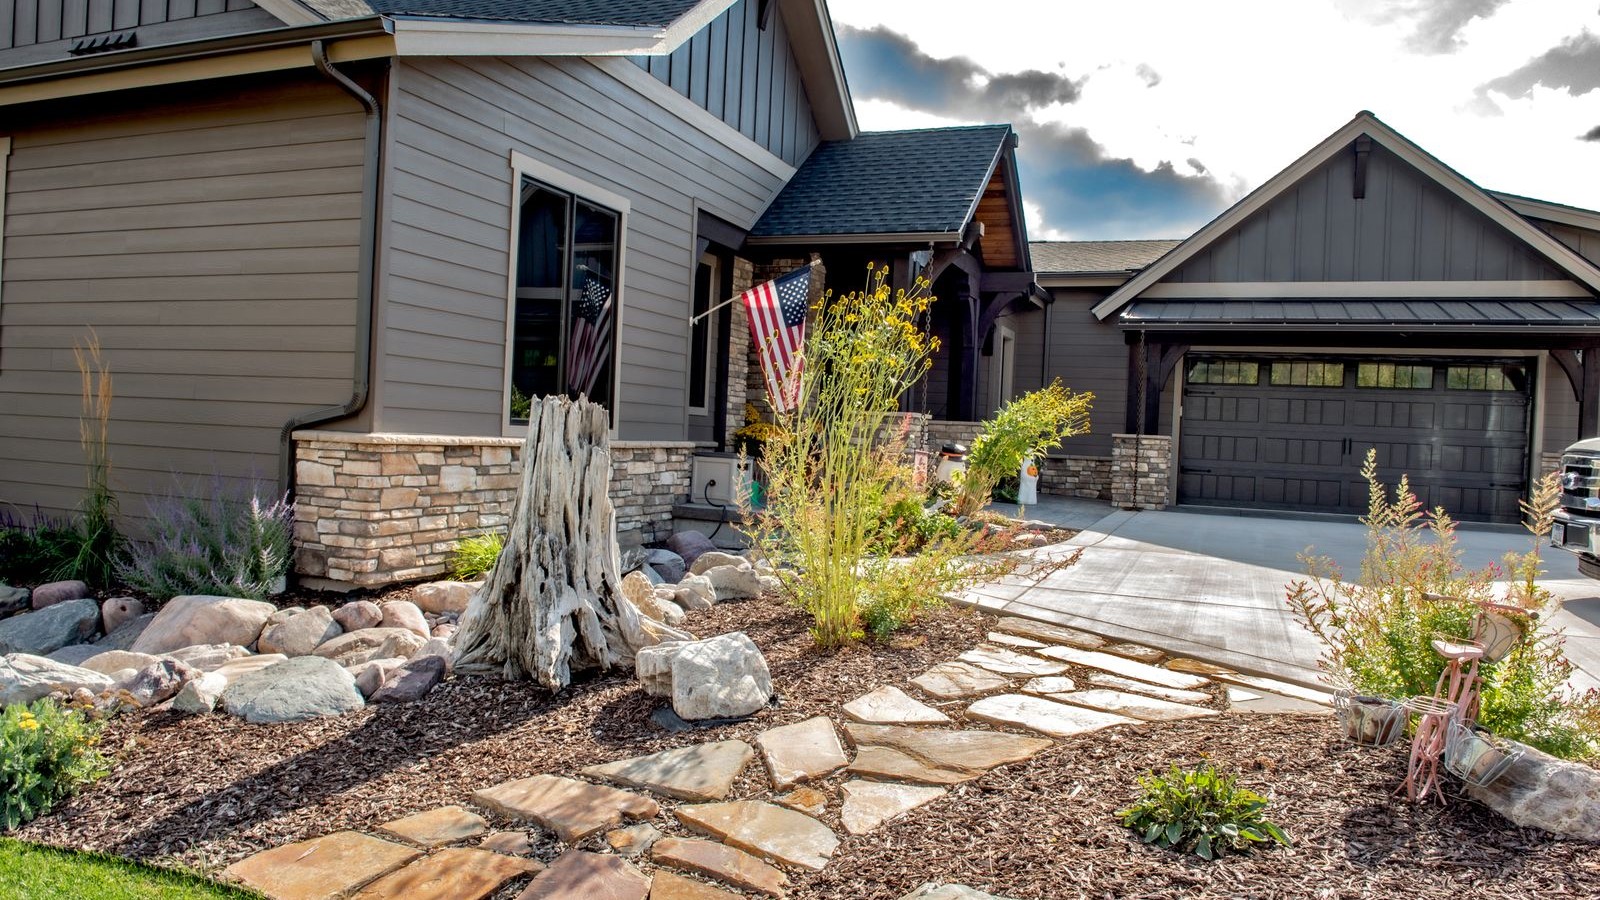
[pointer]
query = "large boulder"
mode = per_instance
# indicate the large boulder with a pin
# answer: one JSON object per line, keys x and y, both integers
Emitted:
{"x": 711, "y": 559}
{"x": 695, "y": 592}
{"x": 118, "y": 611}
{"x": 74, "y": 654}
{"x": 107, "y": 661}
{"x": 209, "y": 657}
{"x": 12, "y": 600}
{"x": 300, "y": 634}
{"x": 159, "y": 681}
{"x": 443, "y": 596}
{"x": 739, "y": 582}
{"x": 200, "y": 619}
{"x": 306, "y": 687}
{"x": 412, "y": 681}
{"x": 670, "y": 566}
{"x": 371, "y": 674}
{"x": 47, "y": 595}
{"x": 200, "y": 695}
{"x": 354, "y": 647}
{"x": 358, "y": 614}
{"x": 126, "y": 633}
{"x": 717, "y": 678}
{"x": 403, "y": 614}
{"x": 1541, "y": 791}
{"x": 25, "y": 678}
{"x": 689, "y": 545}
{"x": 45, "y": 631}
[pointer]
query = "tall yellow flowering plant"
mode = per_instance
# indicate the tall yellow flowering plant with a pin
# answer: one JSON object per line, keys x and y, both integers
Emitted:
{"x": 830, "y": 458}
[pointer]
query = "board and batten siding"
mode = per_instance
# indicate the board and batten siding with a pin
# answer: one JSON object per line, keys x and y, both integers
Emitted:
{"x": 1085, "y": 353}
{"x": 209, "y": 237}
{"x": 748, "y": 77}
{"x": 453, "y": 126}
{"x": 33, "y": 31}
{"x": 1408, "y": 228}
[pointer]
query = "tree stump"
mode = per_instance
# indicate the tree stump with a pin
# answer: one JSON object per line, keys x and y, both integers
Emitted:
{"x": 553, "y": 602}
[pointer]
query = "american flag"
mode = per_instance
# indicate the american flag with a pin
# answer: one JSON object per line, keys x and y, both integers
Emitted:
{"x": 588, "y": 349}
{"x": 778, "y": 326}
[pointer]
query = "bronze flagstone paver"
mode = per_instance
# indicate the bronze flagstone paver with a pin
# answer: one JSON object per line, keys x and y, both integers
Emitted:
{"x": 896, "y": 765}
{"x": 1118, "y": 665}
{"x": 1041, "y": 715}
{"x": 572, "y": 809}
{"x": 868, "y": 804}
{"x": 1053, "y": 634}
{"x": 1117, "y": 682}
{"x": 700, "y": 772}
{"x": 437, "y": 827}
{"x": 808, "y": 800}
{"x": 889, "y": 705}
{"x": 1196, "y": 667}
{"x": 1050, "y": 684}
{"x": 721, "y": 862}
{"x": 1136, "y": 651}
{"x": 801, "y": 752}
{"x": 954, "y": 680}
{"x": 1148, "y": 708}
{"x": 454, "y": 874}
{"x": 511, "y": 843}
{"x": 672, "y": 886}
{"x": 791, "y": 838}
{"x": 1009, "y": 662}
{"x": 580, "y": 875}
{"x": 973, "y": 752}
{"x": 322, "y": 868}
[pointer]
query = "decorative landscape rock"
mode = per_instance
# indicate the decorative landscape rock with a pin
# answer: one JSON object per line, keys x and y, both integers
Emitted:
{"x": 25, "y": 678}
{"x": 327, "y": 867}
{"x": 403, "y": 614}
{"x": 118, "y": 611}
{"x": 712, "y": 559}
{"x": 634, "y": 840}
{"x": 791, "y": 838}
{"x": 47, "y": 630}
{"x": 12, "y": 599}
{"x": 458, "y": 873}
{"x": 283, "y": 615}
{"x": 1013, "y": 640}
{"x": 411, "y": 681}
{"x": 638, "y": 589}
{"x": 800, "y": 752}
{"x": 443, "y": 596}
{"x": 358, "y": 614}
{"x": 437, "y": 827}
{"x": 1139, "y": 652}
{"x": 47, "y": 595}
{"x": 672, "y": 886}
{"x": 721, "y": 677}
{"x": 670, "y": 566}
{"x": 371, "y": 674}
{"x": 1274, "y": 686}
{"x": 868, "y": 804}
{"x": 932, "y": 756}
{"x": 511, "y": 843}
{"x": 401, "y": 642}
{"x": 200, "y": 619}
{"x": 126, "y": 633}
{"x": 734, "y": 582}
{"x": 354, "y": 647}
{"x": 1118, "y": 683}
{"x": 697, "y": 773}
{"x": 888, "y": 705}
{"x": 439, "y": 647}
{"x": 808, "y": 800}
{"x": 1009, "y": 662}
{"x": 690, "y": 546}
{"x": 1118, "y": 665}
{"x": 305, "y": 687}
{"x": 696, "y": 592}
{"x": 235, "y": 669}
{"x": 211, "y": 657}
{"x": 1050, "y": 684}
{"x": 300, "y": 634}
{"x": 955, "y": 680}
{"x": 724, "y": 863}
{"x": 200, "y": 695}
{"x": 570, "y": 808}
{"x": 1041, "y": 715}
{"x": 1541, "y": 791}
{"x": 158, "y": 682}
{"x": 1149, "y": 709}
{"x": 1053, "y": 634}
{"x": 578, "y": 873}
{"x": 74, "y": 654}
{"x": 933, "y": 890}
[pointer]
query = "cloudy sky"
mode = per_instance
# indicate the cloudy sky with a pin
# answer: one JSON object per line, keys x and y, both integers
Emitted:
{"x": 1146, "y": 118}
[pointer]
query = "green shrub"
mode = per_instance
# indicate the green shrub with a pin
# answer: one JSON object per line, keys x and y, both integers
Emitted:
{"x": 1377, "y": 632}
{"x": 46, "y": 754}
{"x": 475, "y": 556}
{"x": 1200, "y": 811}
{"x": 213, "y": 542}
{"x": 1029, "y": 426}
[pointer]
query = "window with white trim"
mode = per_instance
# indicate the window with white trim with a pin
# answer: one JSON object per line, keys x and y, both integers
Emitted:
{"x": 565, "y": 305}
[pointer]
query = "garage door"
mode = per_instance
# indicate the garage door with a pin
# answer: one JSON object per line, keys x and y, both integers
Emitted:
{"x": 1290, "y": 432}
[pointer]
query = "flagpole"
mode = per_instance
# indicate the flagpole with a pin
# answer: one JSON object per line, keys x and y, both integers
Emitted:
{"x": 735, "y": 298}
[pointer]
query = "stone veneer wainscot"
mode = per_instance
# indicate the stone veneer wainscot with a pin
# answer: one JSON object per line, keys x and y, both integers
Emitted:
{"x": 376, "y": 509}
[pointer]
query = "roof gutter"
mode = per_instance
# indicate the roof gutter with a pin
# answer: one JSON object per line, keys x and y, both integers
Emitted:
{"x": 268, "y": 39}
{"x": 371, "y": 169}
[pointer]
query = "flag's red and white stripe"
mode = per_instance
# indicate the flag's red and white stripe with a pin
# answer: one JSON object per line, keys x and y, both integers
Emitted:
{"x": 777, "y": 325}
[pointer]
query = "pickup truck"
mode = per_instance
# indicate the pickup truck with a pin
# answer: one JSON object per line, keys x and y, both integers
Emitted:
{"x": 1577, "y": 523}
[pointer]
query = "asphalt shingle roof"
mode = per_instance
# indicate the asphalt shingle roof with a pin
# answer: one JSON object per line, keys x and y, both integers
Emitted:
{"x": 634, "y": 13}
{"x": 887, "y": 182}
{"x": 1072, "y": 257}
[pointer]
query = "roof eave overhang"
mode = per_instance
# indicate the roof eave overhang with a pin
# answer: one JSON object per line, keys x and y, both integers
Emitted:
{"x": 437, "y": 36}
{"x": 1109, "y": 278}
{"x": 1365, "y": 123}
{"x": 1550, "y": 212}
{"x": 898, "y": 237}
{"x": 822, "y": 73}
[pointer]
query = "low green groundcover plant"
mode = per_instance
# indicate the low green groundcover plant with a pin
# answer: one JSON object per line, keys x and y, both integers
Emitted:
{"x": 1200, "y": 811}
{"x": 47, "y": 873}
{"x": 46, "y": 754}
{"x": 475, "y": 556}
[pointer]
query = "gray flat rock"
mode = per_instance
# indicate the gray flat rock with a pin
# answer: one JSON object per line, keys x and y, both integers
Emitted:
{"x": 43, "y": 632}
{"x": 1118, "y": 683}
{"x": 888, "y": 705}
{"x": 1001, "y": 661}
{"x": 869, "y": 804}
{"x": 1147, "y": 708}
{"x": 1050, "y": 634}
{"x": 698, "y": 773}
{"x": 1128, "y": 668}
{"x": 800, "y": 752}
{"x": 1281, "y": 688}
{"x": 1050, "y": 684}
{"x": 1043, "y": 716}
{"x": 305, "y": 687}
{"x": 955, "y": 680}
{"x": 1013, "y": 640}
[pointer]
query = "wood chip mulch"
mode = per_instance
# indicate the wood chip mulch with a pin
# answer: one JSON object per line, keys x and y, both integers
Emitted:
{"x": 207, "y": 791}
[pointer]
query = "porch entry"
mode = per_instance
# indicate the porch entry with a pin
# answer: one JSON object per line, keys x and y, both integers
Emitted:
{"x": 1290, "y": 432}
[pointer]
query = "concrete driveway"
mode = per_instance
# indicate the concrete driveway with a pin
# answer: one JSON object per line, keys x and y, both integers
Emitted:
{"x": 1212, "y": 585}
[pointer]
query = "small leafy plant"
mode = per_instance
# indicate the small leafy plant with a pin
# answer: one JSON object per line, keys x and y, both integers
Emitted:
{"x": 475, "y": 556}
{"x": 1028, "y": 426}
{"x": 213, "y": 542}
{"x": 46, "y": 754}
{"x": 1200, "y": 811}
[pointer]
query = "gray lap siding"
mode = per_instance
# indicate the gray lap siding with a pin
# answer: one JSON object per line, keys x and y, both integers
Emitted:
{"x": 453, "y": 126}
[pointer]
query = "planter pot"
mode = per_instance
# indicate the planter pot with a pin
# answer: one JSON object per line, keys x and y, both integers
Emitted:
{"x": 1478, "y": 757}
{"x": 1372, "y": 721}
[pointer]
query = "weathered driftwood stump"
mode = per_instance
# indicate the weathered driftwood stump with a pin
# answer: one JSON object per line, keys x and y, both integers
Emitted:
{"x": 553, "y": 603}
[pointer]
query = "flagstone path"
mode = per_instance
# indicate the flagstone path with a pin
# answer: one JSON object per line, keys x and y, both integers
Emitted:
{"x": 1041, "y": 682}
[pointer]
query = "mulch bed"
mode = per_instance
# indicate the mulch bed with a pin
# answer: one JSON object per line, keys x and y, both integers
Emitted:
{"x": 207, "y": 791}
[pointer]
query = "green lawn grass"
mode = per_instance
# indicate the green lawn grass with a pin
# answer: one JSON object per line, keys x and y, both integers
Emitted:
{"x": 45, "y": 873}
